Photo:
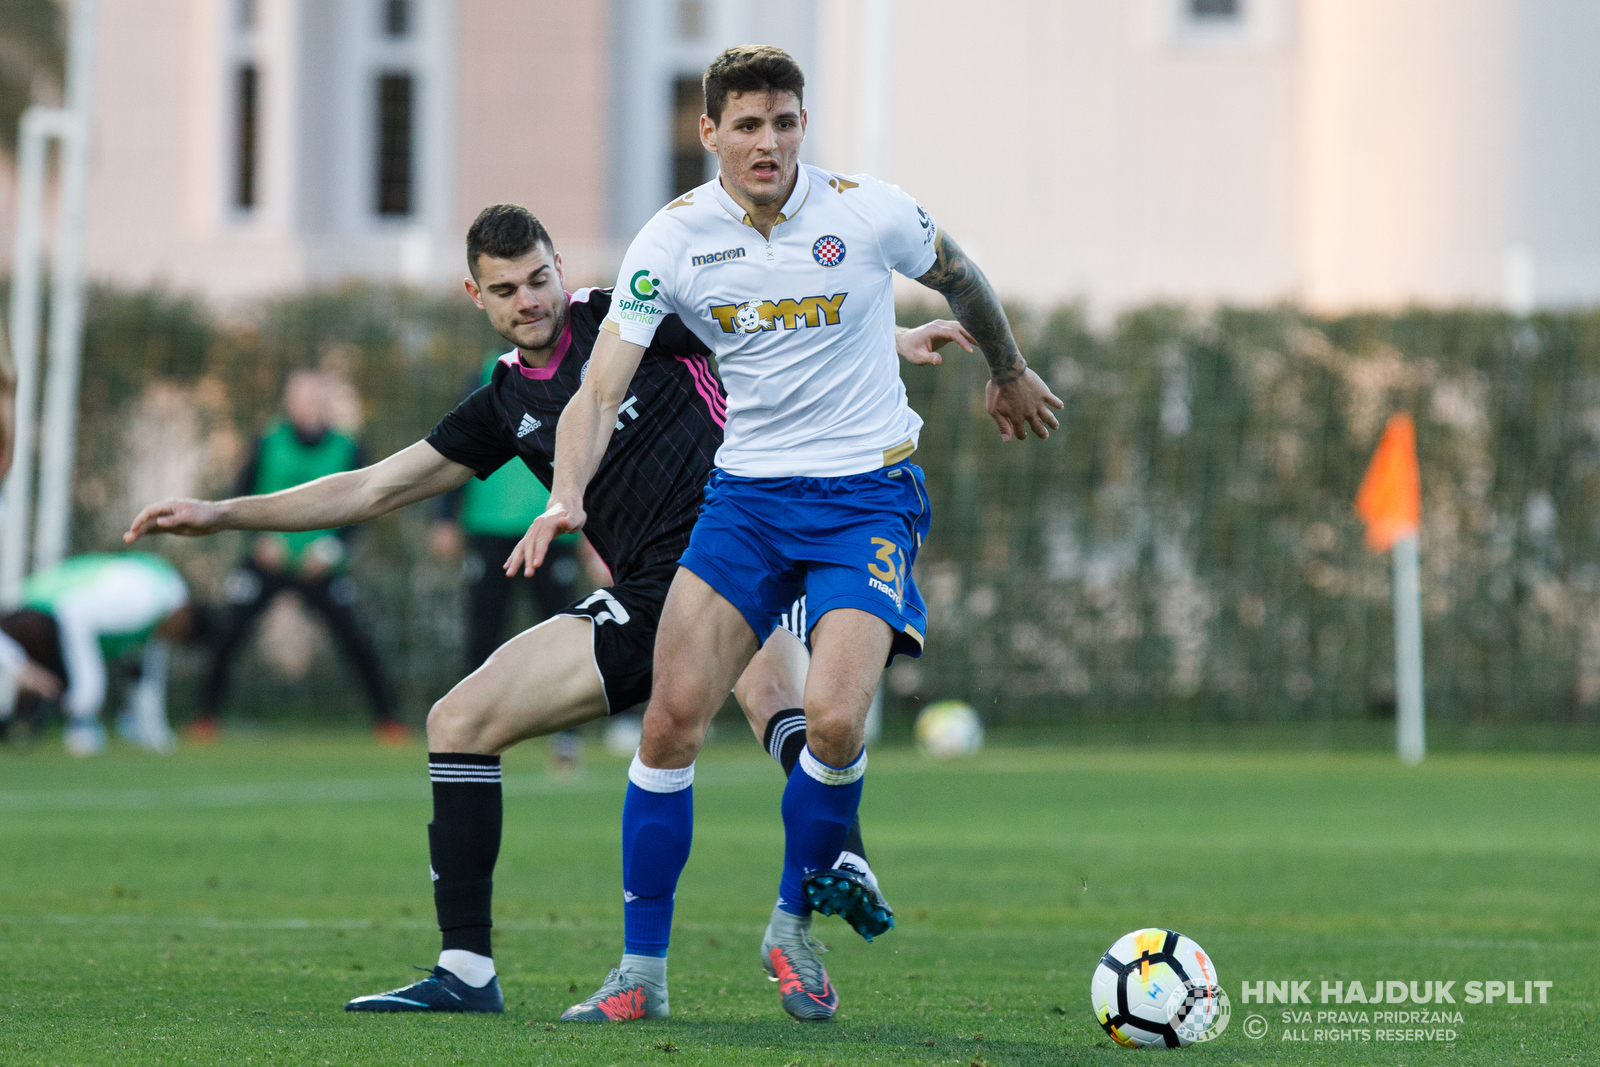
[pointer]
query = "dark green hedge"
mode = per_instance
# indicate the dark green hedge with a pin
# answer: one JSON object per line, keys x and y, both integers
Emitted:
{"x": 1187, "y": 547}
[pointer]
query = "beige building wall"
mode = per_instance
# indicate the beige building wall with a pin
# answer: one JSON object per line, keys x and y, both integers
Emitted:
{"x": 533, "y": 108}
{"x": 1340, "y": 153}
{"x": 1083, "y": 148}
{"x": 1408, "y": 179}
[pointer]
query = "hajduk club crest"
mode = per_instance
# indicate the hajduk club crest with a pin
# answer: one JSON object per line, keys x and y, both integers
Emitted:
{"x": 828, "y": 251}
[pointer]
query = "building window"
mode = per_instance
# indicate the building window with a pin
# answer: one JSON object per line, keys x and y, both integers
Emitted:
{"x": 396, "y": 93}
{"x": 688, "y": 156}
{"x": 1213, "y": 9}
{"x": 247, "y": 95}
{"x": 396, "y": 17}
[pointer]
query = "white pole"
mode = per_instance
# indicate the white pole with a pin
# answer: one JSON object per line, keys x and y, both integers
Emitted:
{"x": 1408, "y": 651}
{"x": 877, "y": 41}
{"x": 37, "y": 127}
{"x": 58, "y": 446}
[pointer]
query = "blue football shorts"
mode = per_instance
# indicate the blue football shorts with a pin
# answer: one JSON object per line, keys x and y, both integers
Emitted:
{"x": 848, "y": 542}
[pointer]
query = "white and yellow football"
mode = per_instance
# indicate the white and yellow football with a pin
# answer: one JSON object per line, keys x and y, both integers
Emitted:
{"x": 949, "y": 728}
{"x": 1157, "y": 989}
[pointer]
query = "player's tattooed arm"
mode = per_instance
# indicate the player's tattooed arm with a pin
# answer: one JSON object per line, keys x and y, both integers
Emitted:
{"x": 1015, "y": 397}
{"x": 973, "y": 299}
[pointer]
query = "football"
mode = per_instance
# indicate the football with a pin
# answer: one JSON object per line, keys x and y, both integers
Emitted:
{"x": 623, "y": 733}
{"x": 949, "y": 728}
{"x": 1157, "y": 989}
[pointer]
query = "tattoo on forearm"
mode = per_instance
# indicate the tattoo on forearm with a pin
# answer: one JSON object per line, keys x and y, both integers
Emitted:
{"x": 977, "y": 307}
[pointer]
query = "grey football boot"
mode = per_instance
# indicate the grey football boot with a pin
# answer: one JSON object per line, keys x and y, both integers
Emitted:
{"x": 789, "y": 955}
{"x": 636, "y": 989}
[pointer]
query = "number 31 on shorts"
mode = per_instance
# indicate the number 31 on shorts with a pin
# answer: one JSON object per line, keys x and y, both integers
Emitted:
{"x": 893, "y": 571}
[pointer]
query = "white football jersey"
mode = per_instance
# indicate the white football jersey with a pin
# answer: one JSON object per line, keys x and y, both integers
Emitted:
{"x": 802, "y": 324}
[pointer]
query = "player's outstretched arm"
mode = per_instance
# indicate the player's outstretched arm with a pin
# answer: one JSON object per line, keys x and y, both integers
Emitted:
{"x": 1016, "y": 397}
{"x": 412, "y": 474}
{"x": 582, "y": 434}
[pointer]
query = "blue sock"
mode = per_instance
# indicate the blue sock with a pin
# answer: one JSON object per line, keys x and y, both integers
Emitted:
{"x": 819, "y": 806}
{"x": 657, "y": 827}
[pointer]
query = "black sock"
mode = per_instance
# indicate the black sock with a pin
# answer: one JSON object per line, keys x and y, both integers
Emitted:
{"x": 463, "y": 844}
{"x": 785, "y": 737}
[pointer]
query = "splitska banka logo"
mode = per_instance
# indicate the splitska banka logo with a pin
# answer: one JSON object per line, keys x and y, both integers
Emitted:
{"x": 643, "y": 286}
{"x": 642, "y": 307}
{"x": 753, "y": 316}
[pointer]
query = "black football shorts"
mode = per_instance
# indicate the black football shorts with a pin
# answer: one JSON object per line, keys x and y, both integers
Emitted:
{"x": 625, "y": 618}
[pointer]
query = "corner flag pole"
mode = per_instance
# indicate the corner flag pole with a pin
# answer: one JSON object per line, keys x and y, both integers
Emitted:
{"x": 1390, "y": 503}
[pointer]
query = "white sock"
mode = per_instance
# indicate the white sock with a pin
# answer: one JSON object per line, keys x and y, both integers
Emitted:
{"x": 859, "y": 863}
{"x": 650, "y": 968}
{"x": 471, "y": 968}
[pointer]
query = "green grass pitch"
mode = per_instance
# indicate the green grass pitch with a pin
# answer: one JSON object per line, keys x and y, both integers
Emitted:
{"x": 220, "y": 905}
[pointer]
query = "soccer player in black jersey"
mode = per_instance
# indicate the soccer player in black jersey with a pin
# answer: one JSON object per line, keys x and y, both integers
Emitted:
{"x": 595, "y": 657}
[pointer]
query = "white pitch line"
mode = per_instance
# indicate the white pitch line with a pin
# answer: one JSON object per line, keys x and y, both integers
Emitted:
{"x": 339, "y": 791}
{"x": 203, "y": 922}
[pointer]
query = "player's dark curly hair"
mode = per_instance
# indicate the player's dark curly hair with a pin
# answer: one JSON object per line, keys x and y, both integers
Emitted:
{"x": 504, "y": 231}
{"x": 751, "y": 68}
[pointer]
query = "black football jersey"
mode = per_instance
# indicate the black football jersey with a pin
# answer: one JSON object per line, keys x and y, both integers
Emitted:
{"x": 645, "y": 496}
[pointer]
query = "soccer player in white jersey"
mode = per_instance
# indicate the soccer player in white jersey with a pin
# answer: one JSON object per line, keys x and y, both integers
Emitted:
{"x": 83, "y": 615}
{"x": 786, "y": 272}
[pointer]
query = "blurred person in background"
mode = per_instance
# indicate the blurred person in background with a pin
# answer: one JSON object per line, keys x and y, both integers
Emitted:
{"x": 301, "y": 447}
{"x": 479, "y": 524}
{"x": 82, "y": 615}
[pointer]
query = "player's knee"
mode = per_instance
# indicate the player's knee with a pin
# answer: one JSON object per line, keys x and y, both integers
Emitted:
{"x": 455, "y": 726}
{"x": 832, "y": 734}
{"x": 675, "y": 718}
{"x": 673, "y": 730}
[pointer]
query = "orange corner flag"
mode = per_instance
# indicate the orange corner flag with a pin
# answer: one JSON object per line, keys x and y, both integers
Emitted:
{"x": 1390, "y": 498}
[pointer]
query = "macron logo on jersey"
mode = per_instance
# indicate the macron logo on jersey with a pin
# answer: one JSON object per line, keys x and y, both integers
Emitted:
{"x": 716, "y": 257}
{"x": 529, "y": 424}
{"x": 753, "y": 316}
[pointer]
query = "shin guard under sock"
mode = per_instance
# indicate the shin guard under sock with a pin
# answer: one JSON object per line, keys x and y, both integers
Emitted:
{"x": 819, "y": 804}
{"x": 657, "y": 830}
{"x": 463, "y": 845}
{"x": 784, "y": 739}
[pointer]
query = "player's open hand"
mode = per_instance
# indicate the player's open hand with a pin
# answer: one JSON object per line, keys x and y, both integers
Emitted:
{"x": 921, "y": 345}
{"x": 1020, "y": 404}
{"x": 189, "y": 518}
{"x": 529, "y": 554}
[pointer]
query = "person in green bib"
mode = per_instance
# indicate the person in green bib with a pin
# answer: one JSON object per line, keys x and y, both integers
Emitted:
{"x": 491, "y": 515}
{"x": 84, "y": 614}
{"x": 300, "y": 447}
